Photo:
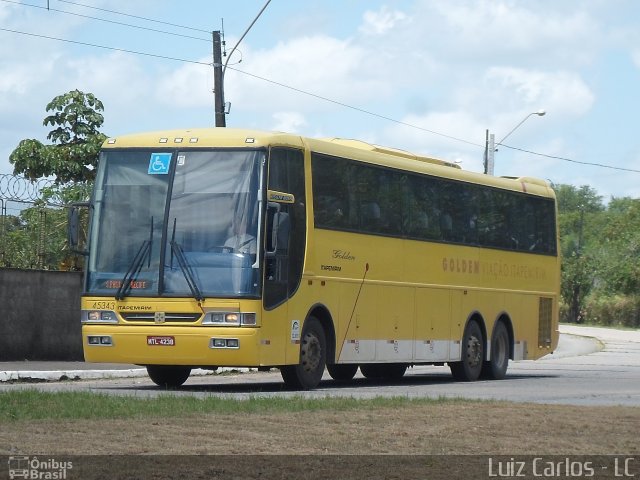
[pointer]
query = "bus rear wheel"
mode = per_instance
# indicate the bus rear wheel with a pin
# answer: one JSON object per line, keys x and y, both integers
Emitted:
{"x": 313, "y": 358}
{"x": 385, "y": 371}
{"x": 342, "y": 372}
{"x": 168, "y": 376}
{"x": 496, "y": 368}
{"x": 470, "y": 366}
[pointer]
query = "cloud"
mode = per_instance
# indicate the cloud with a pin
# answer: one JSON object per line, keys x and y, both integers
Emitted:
{"x": 288, "y": 121}
{"x": 189, "y": 86}
{"x": 6, "y": 11}
{"x": 438, "y": 134}
{"x": 493, "y": 30}
{"x": 327, "y": 67}
{"x": 563, "y": 92}
{"x": 456, "y": 68}
{"x": 498, "y": 101}
{"x": 380, "y": 22}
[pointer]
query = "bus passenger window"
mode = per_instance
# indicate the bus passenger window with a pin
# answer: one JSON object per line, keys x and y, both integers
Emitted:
{"x": 370, "y": 216}
{"x": 446, "y": 226}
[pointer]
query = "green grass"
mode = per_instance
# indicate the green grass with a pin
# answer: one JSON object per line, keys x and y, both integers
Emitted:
{"x": 32, "y": 404}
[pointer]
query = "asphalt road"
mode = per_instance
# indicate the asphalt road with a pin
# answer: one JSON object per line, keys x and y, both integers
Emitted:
{"x": 592, "y": 366}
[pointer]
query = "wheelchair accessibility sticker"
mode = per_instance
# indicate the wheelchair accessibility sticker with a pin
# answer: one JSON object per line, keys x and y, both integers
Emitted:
{"x": 159, "y": 163}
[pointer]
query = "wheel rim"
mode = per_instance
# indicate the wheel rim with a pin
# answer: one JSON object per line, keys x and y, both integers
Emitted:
{"x": 311, "y": 353}
{"x": 474, "y": 352}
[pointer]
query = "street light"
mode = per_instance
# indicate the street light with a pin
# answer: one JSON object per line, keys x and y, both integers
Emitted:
{"x": 219, "y": 70}
{"x": 224, "y": 69}
{"x": 540, "y": 113}
{"x": 491, "y": 147}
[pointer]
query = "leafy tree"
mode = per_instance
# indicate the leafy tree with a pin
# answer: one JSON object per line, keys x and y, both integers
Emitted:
{"x": 573, "y": 199}
{"x": 600, "y": 252}
{"x": 73, "y": 155}
{"x": 620, "y": 239}
{"x": 35, "y": 239}
{"x": 580, "y": 210}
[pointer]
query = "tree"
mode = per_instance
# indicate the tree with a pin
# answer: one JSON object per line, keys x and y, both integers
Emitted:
{"x": 620, "y": 238}
{"x": 572, "y": 199}
{"x": 580, "y": 210}
{"x": 35, "y": 239}
{"x": 73, "y": 155}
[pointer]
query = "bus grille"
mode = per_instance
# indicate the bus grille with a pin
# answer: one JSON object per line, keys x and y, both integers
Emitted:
{"x": 545, "y": 317}
{"x": 168, "y": 317}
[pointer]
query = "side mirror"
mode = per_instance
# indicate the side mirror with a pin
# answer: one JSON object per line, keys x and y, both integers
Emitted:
{"x": 74, "y": 227}
{"x": 277, "y": 229}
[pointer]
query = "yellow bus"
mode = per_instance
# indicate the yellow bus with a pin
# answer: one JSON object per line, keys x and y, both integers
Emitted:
{"x": 224, "y": 247}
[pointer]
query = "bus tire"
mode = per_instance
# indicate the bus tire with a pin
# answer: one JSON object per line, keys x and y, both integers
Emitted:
{"x": 496, "y": 368}
{"x": 342, "y": 372}
{"x": 470, "y": 366}
{"x": 168, "y": 376}
{"x": 307, "y": 374}
{"x": 383, "y": 371}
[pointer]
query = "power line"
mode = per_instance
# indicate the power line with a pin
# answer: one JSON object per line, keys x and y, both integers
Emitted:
{"x": 135, "y": 16}
{"x": 602, "y": 165}
{"x": 426, "y": 129}
{"x": 361, "y": 110}
{"x": 139, "y": 27}
{"x": 357, "y": 109}
{"x": 164, "y": 57}
{"x": 320, "y": 97}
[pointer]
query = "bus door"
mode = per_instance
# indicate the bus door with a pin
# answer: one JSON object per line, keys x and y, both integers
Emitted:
{"x": 285, "y": 237}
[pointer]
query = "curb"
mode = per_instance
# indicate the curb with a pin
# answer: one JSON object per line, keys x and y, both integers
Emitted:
{"x": 37, "y": 376}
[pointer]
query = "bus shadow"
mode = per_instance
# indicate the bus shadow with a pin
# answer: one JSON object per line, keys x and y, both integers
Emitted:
{"x": 211, "y": 385}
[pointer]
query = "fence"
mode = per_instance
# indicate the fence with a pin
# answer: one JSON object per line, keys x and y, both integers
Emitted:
{"x": 32, "y": 226}
{"x": 39, "y": 309}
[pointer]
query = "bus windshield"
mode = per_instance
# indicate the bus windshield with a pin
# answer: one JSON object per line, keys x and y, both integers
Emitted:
{"x": 176, "y": 224}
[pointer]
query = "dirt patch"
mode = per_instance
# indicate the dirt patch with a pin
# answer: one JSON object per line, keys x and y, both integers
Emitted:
{"x": 456, "y": 428}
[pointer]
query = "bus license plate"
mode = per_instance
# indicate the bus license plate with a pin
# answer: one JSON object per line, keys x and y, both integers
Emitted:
{"x": 163, "y": 341}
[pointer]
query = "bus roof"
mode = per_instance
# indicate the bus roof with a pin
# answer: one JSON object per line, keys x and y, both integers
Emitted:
{"x": 388, "y": 150}
{"x": 202, "y": 138}
{"x": 347, "y": 148}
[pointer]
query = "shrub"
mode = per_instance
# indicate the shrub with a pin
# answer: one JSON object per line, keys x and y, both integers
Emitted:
{"x": 613, "y": 310}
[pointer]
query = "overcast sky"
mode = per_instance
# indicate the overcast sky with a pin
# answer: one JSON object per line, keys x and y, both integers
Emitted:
{"x": 441, "y": 72}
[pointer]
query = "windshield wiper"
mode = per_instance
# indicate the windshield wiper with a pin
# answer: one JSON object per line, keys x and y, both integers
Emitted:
{"x": 176, "y": 249}
{"x": 136, "y": 265}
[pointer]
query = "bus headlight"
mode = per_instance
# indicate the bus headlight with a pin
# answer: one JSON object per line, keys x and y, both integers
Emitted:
{"x": 229, "y": 318}
{"x": 98, "y": 316}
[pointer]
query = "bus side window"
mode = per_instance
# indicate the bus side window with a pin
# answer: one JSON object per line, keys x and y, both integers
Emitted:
{"x": 329, "y": 212}
{"x": 446, "y": 226}
{"x": 370, "y": 214}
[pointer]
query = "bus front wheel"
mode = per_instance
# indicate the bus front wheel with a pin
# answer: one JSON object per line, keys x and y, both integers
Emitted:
{"x": 313, "y": 356}
{"x": 470, "y": 366}
{"x": 168, "y": 376}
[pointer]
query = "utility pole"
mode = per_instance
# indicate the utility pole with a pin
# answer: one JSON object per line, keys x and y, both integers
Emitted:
{"x": 218, "y": 80}
{"x": 491, "y": 152}
{"x": 485, "y": 162}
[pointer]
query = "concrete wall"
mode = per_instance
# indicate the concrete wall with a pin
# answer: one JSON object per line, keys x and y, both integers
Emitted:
{"x": 40, "y": 315}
